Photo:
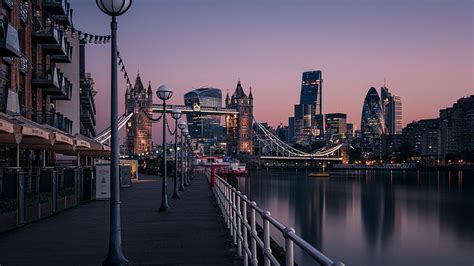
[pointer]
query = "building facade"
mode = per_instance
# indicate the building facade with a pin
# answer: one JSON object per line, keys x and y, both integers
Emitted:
{"x": 239, "y": 127}
{"x": 457, "y": 127}
{"x": 336, "y": 124}
{"x": 204, "y": 127}
{"x": 372, "y": 119}
{"x": 139, "y": 128}
{"x": 392, "y": 108}
{"x": 424, "y": 136}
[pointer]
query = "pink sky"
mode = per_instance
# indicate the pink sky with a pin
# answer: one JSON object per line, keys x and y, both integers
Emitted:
{"x": 423, "y": 49}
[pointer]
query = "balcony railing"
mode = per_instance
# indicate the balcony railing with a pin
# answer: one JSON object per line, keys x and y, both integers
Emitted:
{"x": 54, "y": 119}
{"x": 65, "y": 90}
{"x": 65, "y": 19}
{"x": 46, "y": 33}
{"x": 9, "y": 39}
{"x": 56, "y": 49}
{"x": 46, "y": 76}
{"x": 63, "y": 58}
{"x": 23, "y": 65}
{"x": 55, "y": 7}
{"x": 23, "y": 14}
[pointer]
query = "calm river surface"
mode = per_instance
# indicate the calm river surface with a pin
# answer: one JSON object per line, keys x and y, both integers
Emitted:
{"x": 373, "y": 217}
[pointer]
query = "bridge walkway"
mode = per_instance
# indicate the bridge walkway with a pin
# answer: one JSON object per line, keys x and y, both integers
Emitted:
{"x": 190, "y": 233}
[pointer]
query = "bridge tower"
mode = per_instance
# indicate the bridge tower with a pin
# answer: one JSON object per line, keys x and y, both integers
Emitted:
{"x": 239, "y": 126}
{"x": 139, "y": 128}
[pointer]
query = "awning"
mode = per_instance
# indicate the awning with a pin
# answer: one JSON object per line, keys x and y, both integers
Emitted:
{"x": 10, "y": 133}
{"x": 35, "y": 136}
{"x": 94, "y": 149}
{"x": 63, "y": 143}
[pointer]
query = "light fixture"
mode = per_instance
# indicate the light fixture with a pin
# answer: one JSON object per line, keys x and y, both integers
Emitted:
{"x": 164, "y": 93}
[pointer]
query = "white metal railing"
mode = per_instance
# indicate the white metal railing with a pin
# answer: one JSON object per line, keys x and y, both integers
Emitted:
{"x": 237, "y": 209}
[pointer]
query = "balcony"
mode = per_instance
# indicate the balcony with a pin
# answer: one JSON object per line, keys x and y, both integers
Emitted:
{"x": 87, "y": 119}
{"x": 9, "y": 40}
{"x": 65, "y": 19}
{"x": 47, "y": 35}
{"x": 65, "y": 90}
{"x": 56, "y": 49}
{"x": 23, "y": 65}
{"x": 23, "y": 14}
{"x": 53, "y": 119}
{"x": 46, "y": 76}
{"x": 55, "y": 7}
{"x": 66, "y": 58}
{"x": 8, "y": 4}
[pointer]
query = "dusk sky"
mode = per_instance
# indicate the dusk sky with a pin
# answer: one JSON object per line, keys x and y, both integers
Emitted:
{"x": 423, "y": 48}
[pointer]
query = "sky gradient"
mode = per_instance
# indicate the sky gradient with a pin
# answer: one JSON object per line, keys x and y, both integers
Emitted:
{"x": 424, "y": 50}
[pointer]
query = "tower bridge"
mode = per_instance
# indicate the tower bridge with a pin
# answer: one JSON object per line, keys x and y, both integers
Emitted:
{"x": 244, "y": 134}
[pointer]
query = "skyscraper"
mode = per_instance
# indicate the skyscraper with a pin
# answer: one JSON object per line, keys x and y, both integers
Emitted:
{"x": 311, "y": 90}
{"x": 372, "y": 120}
{"x": 392, "y": 108}
{"x": 204, "y": 126}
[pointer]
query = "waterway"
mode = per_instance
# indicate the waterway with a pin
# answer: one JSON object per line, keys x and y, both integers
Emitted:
{"x": 373, "y": 217}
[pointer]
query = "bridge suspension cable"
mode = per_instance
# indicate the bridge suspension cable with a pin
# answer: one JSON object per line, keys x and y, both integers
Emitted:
{"x": 274, "y": 145}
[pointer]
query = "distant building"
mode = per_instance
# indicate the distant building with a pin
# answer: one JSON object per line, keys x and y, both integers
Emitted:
{"x": 239, "y": 127}
{"x": 282, "y": 132}
{"x": 311, "y": 90}
{"x": 457, "y": 127}
{"x": 204, "y": 127}
{"x": 424, "y": 136}
{"x": 392, "y": 108}
{"x": 391, "y": 145}
{"x": 336, "y": 124}
{"x": 139, "y": 129}
{"x": 291, "y": 130}
{"x": 372, "y": 120}
{"x": 350, "y": 130}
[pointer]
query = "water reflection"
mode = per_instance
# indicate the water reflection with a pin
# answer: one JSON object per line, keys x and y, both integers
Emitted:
{"x": 366, "y": 217}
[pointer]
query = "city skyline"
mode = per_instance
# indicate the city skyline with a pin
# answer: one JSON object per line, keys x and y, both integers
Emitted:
{"x": 356, "y": 46}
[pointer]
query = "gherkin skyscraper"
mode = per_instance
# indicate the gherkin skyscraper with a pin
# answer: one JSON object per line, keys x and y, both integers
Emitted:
{"x": 372, "y": 123}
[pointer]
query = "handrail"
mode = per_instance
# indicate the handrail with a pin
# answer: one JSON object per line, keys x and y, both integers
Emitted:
{"x": 237, "y": 208}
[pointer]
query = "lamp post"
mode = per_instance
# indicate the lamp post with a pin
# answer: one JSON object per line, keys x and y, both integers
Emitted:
{"x": 115, "y": 254}
{"x": 181, "y": 126}
{"x": 176, "y": 114}
{"x": 164, "y": 93}
{"x": 184, "y": 161}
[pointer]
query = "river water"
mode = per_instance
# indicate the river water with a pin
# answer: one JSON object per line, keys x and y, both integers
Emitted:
{"x": 373, "y": 217}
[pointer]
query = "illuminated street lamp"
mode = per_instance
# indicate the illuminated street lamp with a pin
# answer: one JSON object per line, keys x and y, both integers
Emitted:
{"x": 115, "y": 254}
{"x": 176, "y": 114}
{"x": 164, "y": 93}
{"x": 182, "y": 127}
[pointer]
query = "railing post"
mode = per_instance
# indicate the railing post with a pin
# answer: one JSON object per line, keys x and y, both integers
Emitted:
{"x": 227, "y": 200}
{"x": 289, "y": 254}
{"x": 253, "y": 242}
{"x": 231, "y": 211}
{"x": 234, "y": 214}
{"x": 245, "y": 223}
{"x": 239, "y": 224}
{"x": 266, "y": 239}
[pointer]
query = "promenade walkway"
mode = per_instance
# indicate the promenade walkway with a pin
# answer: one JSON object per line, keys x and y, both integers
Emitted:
{"x": 190, "y": 233}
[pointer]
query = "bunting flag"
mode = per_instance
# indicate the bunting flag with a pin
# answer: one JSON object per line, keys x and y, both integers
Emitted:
{"x": 87, "y": 37}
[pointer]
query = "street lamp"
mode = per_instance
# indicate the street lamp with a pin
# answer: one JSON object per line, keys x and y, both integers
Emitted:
{"x": 182, "y": 127}
{"x": 176, "y": 114}
{"x": 164, "y": 93}
{"x": 184, "y": 158}
{"x": 115, "y": 254}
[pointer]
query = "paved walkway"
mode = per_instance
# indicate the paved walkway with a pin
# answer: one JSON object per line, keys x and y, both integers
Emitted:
{"x": 190, "y": 233}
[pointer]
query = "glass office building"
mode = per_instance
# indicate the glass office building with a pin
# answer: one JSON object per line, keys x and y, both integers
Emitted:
{"x": 372, "y": 122}
{"x": 204, "y": 126}
{"x": 311, "y": 90}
